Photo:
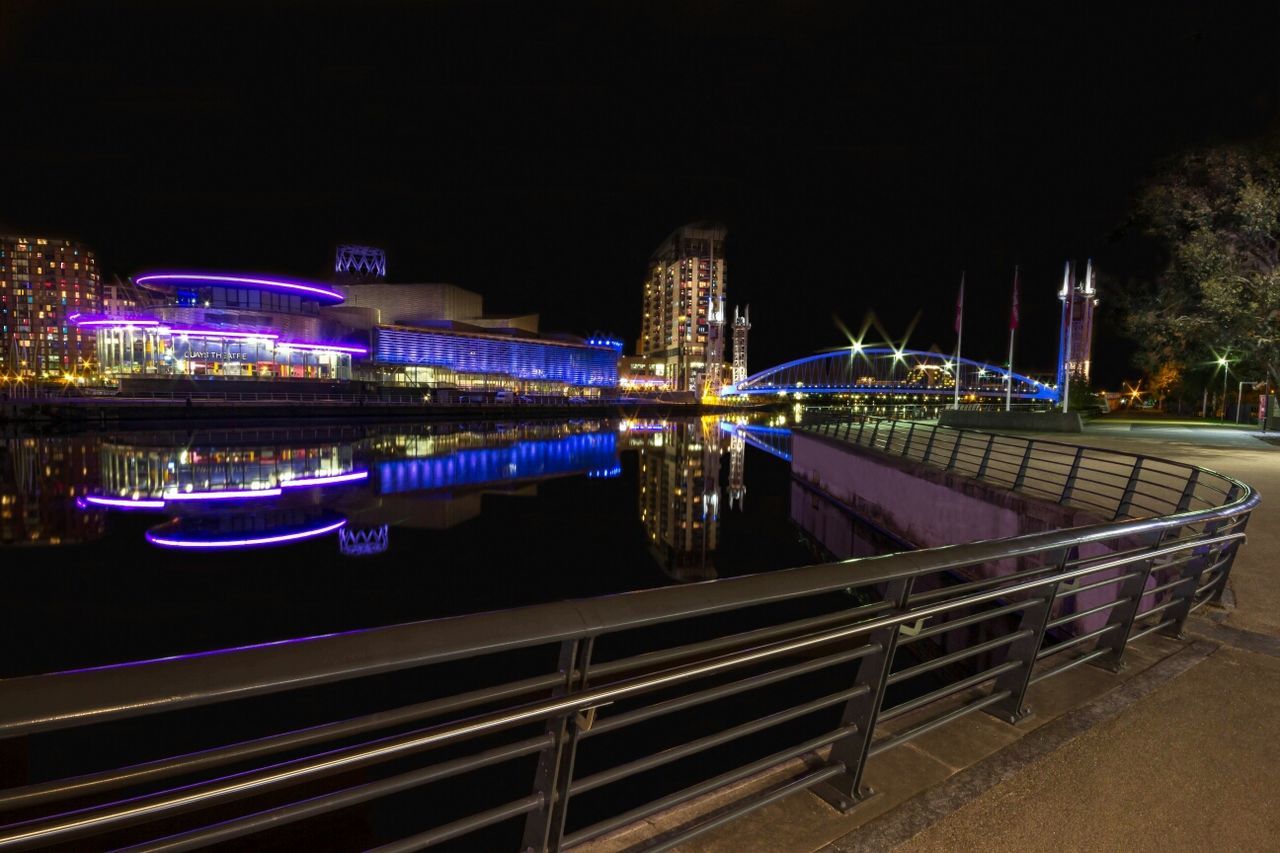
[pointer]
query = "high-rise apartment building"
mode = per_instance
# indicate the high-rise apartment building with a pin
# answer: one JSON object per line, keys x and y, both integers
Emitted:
{"x": 44, "y": 283}
{"x": 683, "y": 322}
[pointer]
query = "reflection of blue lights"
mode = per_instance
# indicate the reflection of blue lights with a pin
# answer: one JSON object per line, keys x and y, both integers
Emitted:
{"x": 572, "y": 454}
{"x": 172, "y": 535}
{"x": 606, "y": 473}
{"x": 520, "y": 358}
{"x": 776, "y": 441}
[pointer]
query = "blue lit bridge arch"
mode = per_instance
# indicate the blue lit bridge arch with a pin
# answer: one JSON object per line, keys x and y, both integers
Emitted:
{"x": 883, "y": 370}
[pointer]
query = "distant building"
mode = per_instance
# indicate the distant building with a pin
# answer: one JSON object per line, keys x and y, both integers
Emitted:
{"x": 438, "y": 335}
{"x": 44, "y": 284}
{"x": 741, "y": 326}
{"x": 1075, "y": 343}
{"x": 222, "y": 326}
{"x": 683, "y": 320}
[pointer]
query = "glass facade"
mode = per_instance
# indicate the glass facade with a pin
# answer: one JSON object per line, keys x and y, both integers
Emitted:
{"x": 125, "y": 350}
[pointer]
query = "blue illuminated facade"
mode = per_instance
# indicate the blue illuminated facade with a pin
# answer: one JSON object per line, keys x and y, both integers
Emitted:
{"x": 574, "y": 454}
{"x": 592, "y": 364}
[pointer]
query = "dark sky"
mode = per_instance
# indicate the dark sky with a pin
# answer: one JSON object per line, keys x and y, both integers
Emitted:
{"x": 861, "y": 154}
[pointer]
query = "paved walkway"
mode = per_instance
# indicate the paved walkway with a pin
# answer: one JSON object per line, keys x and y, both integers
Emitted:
{"x": 1194, "y": 765}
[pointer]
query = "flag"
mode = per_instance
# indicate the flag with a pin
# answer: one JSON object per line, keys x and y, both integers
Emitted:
{"x": 960, "y": 306}
{"x": 1013, "y": 315}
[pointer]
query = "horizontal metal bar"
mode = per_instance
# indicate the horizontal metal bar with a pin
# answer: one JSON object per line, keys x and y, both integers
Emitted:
{"x": 959, "y": 655}
{"x": 1159, "y": 608}
{"x": 947, "y": 690}
{"x": 1145, "y": 631}
{"x": 973, "y": 619}
{"x": 1075, "y": 641}
{"x": 1071, "y": 664}
{"x": 937, "y": 722}
{"x": 726, "y": 778}
{"x": 1072, "y": 617}
{"x": 693, "y": 747}
{"x": 748, "y": 805}
{"x": 1097, "y": 584}
{"x": 732, "y": 641}
{"x": 464, "y": 826}
{"x": 282, "y": 815}
{"x": 619, "y": 721}
{"x": 984, "y": 583}
{"x": 154, "y": 771}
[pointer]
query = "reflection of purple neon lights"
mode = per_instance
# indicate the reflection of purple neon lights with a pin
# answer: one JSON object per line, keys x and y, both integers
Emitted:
{"x": 163, "y": 542}
{"x": 325, "y": 347}
{"x": 311, "y": 290}
{"x": 325, "y": 481}
{"x": 123, "y": 503}
{"x": 207, "y": 332}
{"x": 222, "y": 496}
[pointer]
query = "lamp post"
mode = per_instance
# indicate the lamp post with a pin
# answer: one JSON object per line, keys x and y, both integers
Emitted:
{"x": 1226, "y": 371}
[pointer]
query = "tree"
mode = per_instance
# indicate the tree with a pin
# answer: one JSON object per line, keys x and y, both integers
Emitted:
{"x": 1217, "y": 214}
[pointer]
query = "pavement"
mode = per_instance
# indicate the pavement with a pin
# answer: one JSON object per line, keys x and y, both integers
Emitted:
{"x": 1194, "y": 765}
{"x": 1184, "y": 755}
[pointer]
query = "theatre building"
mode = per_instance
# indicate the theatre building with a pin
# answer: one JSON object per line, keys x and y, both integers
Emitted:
{"x": 216, "y": 325}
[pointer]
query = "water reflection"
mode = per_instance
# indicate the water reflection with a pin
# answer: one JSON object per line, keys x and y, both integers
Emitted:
{"x": 40, "y": 480}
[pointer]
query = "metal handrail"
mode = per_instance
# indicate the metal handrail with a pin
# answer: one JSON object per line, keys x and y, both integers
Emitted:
{"x": 1160, "y": 567}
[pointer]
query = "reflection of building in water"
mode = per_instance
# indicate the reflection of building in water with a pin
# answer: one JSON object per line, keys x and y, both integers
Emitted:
{"x": 435, "y": 478}
{"x": 229, "y": 463}
{"x": 737, "y": 462}
{"x": 680, "y": 495}
{"x": 40, "y": 479}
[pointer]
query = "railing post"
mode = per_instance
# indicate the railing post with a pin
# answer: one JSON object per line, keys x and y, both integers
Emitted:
{"x": 846, "y": 790}
{"x": 1195, "y": 567}
{"x": 1126, "y": 500}
{"x": 910, "y": 434}
{"x": 1069, "y": 486}
{"x": 888, "y": 439}
{"x": 875, "y": 430}
{"x": 1125, "y": 614}
{"x": 928, "y": 445}
{"x": 986, "y": 456}
{"x": 862, "y": 424}
{"x": 1035, "y": 620}
{"x": 955, "y": 450}
{"x": 1022, "y": 468}
{"x": 543, "y": 828}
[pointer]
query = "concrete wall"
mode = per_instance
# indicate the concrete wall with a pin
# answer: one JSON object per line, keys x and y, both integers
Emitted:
{"x": 931, "y": 507}
{"x": 1032, "y": 421}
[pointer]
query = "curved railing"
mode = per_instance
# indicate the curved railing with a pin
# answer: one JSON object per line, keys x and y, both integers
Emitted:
{"x": 567, "y": 699}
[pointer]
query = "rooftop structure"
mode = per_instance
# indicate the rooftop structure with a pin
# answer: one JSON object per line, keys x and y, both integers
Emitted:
{"x": 360, "y": 262}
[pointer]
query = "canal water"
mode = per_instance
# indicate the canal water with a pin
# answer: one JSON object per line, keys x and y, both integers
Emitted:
{"x": 133, "y": 545}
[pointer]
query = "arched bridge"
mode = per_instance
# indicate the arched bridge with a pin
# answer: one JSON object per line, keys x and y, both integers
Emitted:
{"x": 883, "y": 370}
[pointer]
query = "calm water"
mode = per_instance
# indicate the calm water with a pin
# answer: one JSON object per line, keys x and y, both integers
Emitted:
{"x": 132, "y": 545}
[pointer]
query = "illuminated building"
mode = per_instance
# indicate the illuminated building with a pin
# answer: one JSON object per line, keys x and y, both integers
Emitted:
{"x": 1075, "y": 341}
{"x": 741, "y": 326}
{"x": 219, "y": 325}
{"x": 683, "y": 320}
{"x": 437, "y": 335}
{"x": 43, "y": 283}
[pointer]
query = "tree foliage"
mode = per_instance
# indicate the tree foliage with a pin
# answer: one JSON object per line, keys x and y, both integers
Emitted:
{"x": 1217, "y": 213}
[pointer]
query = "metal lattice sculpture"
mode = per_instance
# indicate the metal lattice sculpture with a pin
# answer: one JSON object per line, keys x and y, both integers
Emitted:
{"x": 362, "y": 542}
{"x": 364, "y": 262}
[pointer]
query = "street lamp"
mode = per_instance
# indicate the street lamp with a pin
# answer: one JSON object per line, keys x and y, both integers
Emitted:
{"x": 1226, "y": 371}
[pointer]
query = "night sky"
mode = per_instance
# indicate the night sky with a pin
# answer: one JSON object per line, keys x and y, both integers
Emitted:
{"x": 860, "y": 156}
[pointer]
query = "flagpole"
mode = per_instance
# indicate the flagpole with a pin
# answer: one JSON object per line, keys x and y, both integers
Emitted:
{"x": 1013, "y": 327}
{"x": 959, "y": 337}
